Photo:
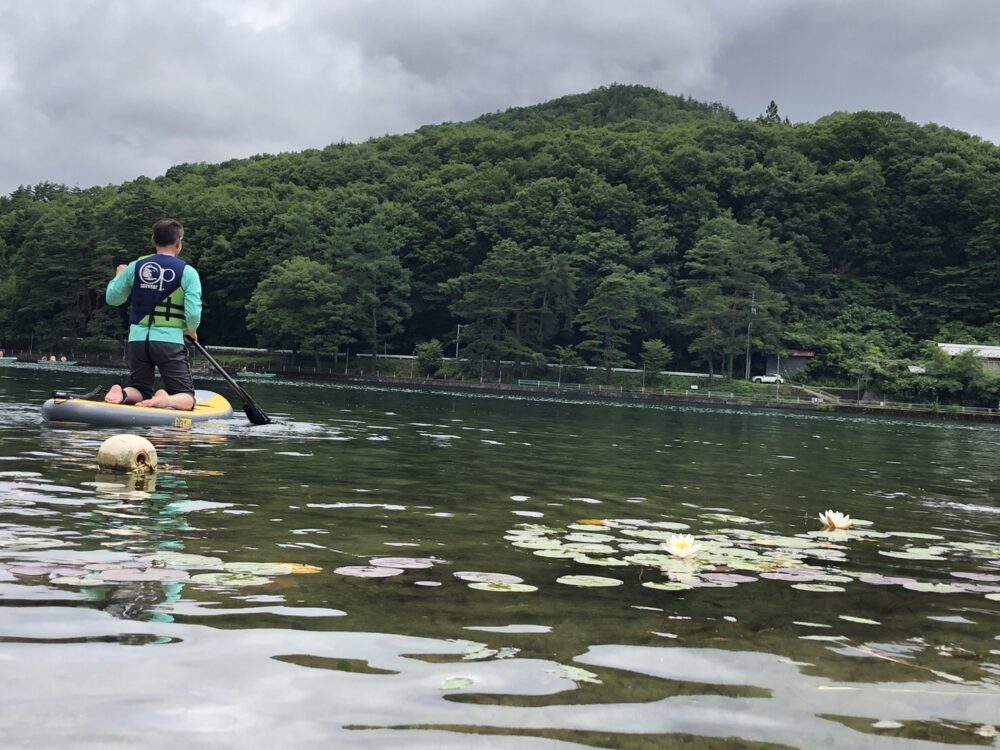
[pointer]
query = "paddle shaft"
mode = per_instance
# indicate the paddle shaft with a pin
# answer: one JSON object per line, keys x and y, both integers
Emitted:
{"x": 254, "y": 413}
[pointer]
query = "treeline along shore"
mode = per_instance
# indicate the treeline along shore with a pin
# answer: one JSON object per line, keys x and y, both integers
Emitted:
{"x": 621, "y": 227}
{"x": 628, "y": 386}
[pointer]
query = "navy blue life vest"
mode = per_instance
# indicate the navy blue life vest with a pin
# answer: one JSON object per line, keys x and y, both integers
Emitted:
{"x": 157, "y": 297}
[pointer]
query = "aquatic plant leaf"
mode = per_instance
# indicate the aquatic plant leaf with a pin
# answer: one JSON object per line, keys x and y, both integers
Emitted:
{"x": 407, "y": 563}
{"x": 137, "y": 574}
{"x": 861, "y": 620}
{"x": 33, "y": 542}
{"x": 728, "y": 518}
{"x": 936, "y": 588}
{"x": 229, "y": 579}
{"x": 303, "y": 569}
{"x": 567, "y": 554}
{"x": 988, "y": 577}
{"x": 914, "y": 535}
{"x": 825, "y": 587}
{"x": 887, "y": 724}
{"x": 590, "y": 549}
{"x": 880, "y": 580}
{"x": 606, "y": 561}
{"x": 652, "y": 560}
{"x": 822, "y": 638}
{"x": 588, "y": 537}
{"x": 78, "y": 580}
{"x": 911, "y": 554}
{"x": 503, "y": 587}
{"x": 537, "y": 543}
{"x": 368, "y": 571}
{"x": 476, "y": 576}
{"x": 667, "y": 585}
{"x": 259, "y": 569}
{"x": 30, "y": 571}
{"x": 576, "y": 674}
{"x": 589, "y": 581}
{"x": 181, "y": 560}
{"x": 455, "y": 683}
{"x": 728, "y": 577}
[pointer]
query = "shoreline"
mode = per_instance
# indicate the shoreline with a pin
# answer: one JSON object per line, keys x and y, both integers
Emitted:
{"x": 726, "y": 401}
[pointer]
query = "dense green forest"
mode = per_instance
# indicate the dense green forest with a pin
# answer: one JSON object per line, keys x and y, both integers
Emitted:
{"x": 622, "y": 225}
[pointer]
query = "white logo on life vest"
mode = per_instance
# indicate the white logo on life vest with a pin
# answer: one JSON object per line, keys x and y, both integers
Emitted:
{"x": 154, "y": 276}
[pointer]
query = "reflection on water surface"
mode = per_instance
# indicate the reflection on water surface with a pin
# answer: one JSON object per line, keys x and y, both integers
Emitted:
{"x": 389, "y": 568}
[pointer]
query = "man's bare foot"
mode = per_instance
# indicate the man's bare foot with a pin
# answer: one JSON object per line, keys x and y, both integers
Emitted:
{"x": 160, "y": 400}
{"x": 163, "y": 400}
{"x": 115, "y": 395}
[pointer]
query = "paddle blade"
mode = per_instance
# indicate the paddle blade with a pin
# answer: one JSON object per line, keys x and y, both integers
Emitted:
{"x": 255, "y": 414}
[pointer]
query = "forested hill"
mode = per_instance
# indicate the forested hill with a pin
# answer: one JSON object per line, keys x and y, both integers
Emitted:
{"x": 628, "y": 106}
{"x": 584, "y": 227}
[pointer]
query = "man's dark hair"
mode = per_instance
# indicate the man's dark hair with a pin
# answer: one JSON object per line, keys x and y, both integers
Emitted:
{"x": 166, "y": 232}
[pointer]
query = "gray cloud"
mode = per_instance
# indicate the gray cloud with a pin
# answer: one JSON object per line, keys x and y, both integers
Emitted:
{"x": 99, "y": 91}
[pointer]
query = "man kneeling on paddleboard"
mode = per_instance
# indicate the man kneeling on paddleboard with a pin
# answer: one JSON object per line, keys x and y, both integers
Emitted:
{"x": 166, "y": 306}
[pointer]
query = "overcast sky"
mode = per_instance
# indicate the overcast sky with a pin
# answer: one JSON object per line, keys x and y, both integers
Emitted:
{"x": 94, "y": 92}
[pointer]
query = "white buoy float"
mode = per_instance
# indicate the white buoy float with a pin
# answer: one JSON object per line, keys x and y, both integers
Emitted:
{"x": 127, "y": 453}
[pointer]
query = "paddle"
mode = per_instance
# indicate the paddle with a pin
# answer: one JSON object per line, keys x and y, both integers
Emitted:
{"x": 68, "y": 395}
{"x": 254, "y": 413}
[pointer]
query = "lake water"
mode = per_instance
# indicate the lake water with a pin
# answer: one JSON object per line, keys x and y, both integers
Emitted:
{"x": 112, "y": 634}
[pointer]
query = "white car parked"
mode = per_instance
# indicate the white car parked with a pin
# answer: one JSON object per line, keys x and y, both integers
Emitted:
{"x": 768, "y": 379}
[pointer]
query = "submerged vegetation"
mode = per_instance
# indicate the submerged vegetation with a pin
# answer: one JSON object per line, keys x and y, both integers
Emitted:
{"x": 622, "y": 226}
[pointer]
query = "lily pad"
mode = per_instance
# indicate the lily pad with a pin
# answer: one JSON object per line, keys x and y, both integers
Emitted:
{"x": 576, "y": 674}
{"x": 475, "y": 576}
{"x": 567, "y": 554}
{"x": 181, "y": 560}
{"x": 406, "y": 563}
{"x": 78, "y": 580}
{"x": 667, "y": 585}
{"x": 368, "y": 571}
{"x": 455, "y": 683}
{"x": 825, "y": 587}
{"x": 303, "y": 569}
{"x": 589, "y": 537}
{"x": 502, "y": 586}
{"x": 880, "y": 580}
{"x": 928, "y": 587}
{"x": 537, "y": 543}
{"x": 728, "y": 577}
{"x": 121, "y": 575}
{"x": 987, "y": 577}
{"x": 589, "y": 581}
{"x": 887, "y": 724}
{"x": 860, "y": 620}
{"x": 258, "y": 569}
{"x": 590, "y": 549}
{"x": 605, "y": 561}
{"x": 30, "y": 571}
{"x": 910, "y": 554}
{"x": 229, "y": 579}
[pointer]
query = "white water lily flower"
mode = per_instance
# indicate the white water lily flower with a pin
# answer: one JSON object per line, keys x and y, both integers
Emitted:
{"x": 834, "y": 521}
{"x": 682, "y": 545}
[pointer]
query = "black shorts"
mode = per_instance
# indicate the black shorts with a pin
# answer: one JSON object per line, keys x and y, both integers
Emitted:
{"x": 143, "y": 356}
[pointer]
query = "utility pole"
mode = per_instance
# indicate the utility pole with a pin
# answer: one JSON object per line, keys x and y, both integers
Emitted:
{"x": 753, "y": 311}
{"x": 458, "y": 333}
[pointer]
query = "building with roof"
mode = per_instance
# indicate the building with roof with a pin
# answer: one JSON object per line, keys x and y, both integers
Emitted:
{"x": 991, "y": 354}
